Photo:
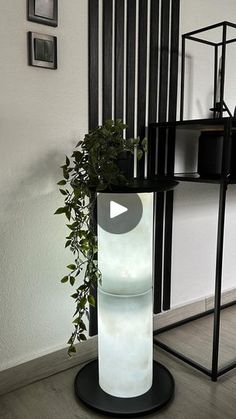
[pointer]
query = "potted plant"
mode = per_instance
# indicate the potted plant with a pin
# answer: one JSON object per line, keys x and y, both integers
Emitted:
{"x": 96, "y": 164}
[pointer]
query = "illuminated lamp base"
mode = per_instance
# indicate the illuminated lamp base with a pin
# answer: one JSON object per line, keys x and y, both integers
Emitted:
{"x": 87, "y": 389}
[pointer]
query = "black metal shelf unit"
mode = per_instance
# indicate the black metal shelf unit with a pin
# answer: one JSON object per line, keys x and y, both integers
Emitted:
{"x": 222, "y": 34}
{"x": 162, "y": 138}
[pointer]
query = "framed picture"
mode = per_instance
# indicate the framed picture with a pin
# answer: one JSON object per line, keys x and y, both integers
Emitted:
{"x": 42, "y": 50}
{"x": 43, "y": 11}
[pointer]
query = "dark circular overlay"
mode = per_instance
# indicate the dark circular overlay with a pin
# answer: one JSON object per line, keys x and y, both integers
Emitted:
{"x": 130, "y": 208}
{"x": 87, "y": 389}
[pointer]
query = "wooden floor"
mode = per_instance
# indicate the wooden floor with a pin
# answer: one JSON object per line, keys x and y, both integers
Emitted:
{"x": 196, "y": 397}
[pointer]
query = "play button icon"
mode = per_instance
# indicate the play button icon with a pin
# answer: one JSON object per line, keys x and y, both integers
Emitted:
{"x": 118, "y": 213}
{"x": 116, "y": 209}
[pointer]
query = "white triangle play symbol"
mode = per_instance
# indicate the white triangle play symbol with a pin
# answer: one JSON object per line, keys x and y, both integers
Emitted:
{"x": 116, "y": 209}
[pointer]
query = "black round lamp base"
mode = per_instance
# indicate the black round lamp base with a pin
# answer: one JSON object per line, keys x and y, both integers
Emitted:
{"x": 87, "y": 389}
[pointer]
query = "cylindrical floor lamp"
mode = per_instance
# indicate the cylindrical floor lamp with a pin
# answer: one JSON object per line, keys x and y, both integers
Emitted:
{"x": 125, "y": 380}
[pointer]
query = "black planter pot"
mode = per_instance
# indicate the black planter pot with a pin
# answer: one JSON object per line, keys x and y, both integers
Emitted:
{"x": 233, "y": 155}
{"x": 210, "y": 148}
{"x": 125, "y": 162}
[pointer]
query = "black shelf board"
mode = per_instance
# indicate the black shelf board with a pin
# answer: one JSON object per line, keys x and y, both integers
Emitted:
{"x": 195, "y": 177}
{"x": 158, "y": 184}
{"x": 232, "y": 180}
{"x": 195, "y": 124}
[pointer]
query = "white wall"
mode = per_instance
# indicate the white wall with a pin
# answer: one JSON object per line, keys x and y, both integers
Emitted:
{"x": 42, "y": 115}
{"x": 196, "y": 205}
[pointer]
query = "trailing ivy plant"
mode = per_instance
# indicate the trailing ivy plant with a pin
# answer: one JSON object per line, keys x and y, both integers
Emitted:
{"x": 91, "y": 168}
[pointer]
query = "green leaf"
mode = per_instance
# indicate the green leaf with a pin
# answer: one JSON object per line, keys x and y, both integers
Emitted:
{"x": 82, "y": 327}
{"x": 75, "y": 295}
{"x": 68, "y": 214}
{"x": 71, "y": 350}
{"x": 63, "y": 192}
{"x": 139, "y": 154}
{"x": 72, "y": 226}
{"x": 65, "y": 174}
{"x": 61, "y": 183}
{"x": 70, "y": 235}
{"x": 82, "y": 287}
{"x": 68, "y": 243}
{"x": 144, "y": 143}
{"x": 77, "y": 320}
{"x": 64, "y": 279}
{"x": 91, "y": 300}
{"x": 61, "y": 210}
{"x": 72, "y": 267}
{"x": 67, "y": 161}
{"x": 72, "y": 280}
{"x": 82, "y": 302}
{"x": 82, "y": 336}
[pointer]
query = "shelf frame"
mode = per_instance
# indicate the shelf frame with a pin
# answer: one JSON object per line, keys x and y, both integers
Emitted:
{"x": 215, "y": 372}
{"x": 223, "y": 180}
{"x": 219, "y": 106}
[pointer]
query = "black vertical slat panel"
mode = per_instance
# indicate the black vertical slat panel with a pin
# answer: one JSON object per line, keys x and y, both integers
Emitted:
{"x": 142, "y": 76}
{"x": 93, "y": 63}
{"x": 164, "y": 58}
{"x": 171, "y": 151}
{"x": 93, "y": 109}
{"x": 215, "y": 79}
{"x": 159, "y": 197}
{"x": 174, "y": 58}
{"x": 168, "y": 250}
{"x": 107, "y": 60}
{"x": 182, "y": 85}
{"x": 153, "y": 65}
{"x": 130, "y": 64}
{"x": 158, "y": 241}
{"x": 142, "y": 64}
{"x": 152, "y": 115}
{"x": 119, "y": 59}
{"x": 152, "y": 145}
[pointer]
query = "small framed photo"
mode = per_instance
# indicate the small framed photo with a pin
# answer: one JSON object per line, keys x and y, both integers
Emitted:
{"x": 43, "y": 11}
{"x": 42, "y": 50}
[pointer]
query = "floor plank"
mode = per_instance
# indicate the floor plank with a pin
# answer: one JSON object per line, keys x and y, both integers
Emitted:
{"x": 196, "y": 397}
{"x": 195, "y": 339}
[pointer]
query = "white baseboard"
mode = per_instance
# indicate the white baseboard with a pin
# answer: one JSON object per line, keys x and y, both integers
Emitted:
{"x": 44, "y": 366}
{"x": 182, "y": 312}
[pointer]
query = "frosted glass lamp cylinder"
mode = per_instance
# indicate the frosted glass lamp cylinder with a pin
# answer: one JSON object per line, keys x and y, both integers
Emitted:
{"x": 125, "y": 307}
{"x": 125, "y": 343}
{"x": 125, "y": 260}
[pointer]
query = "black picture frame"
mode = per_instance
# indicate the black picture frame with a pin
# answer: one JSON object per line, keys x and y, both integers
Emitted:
{"x": 42, "y": 50}
{"x": 43, "y": 11}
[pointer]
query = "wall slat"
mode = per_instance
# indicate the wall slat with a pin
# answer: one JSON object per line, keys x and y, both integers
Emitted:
{"x": 93, "y": 107}
{"x": 153, "y": 73}
{"x": 158, "y": 244}
{"x": 160, "y": 197}
{"x": 130, "y": 64}
{"x": 119, "y": 59}
{"x": 142, "y": 63}
{"x": 142, "y": 76}
{"x": 152, "y": 117}
{"x": 107, "y": 60}
{"x": 174, "y": 56}
{"x": 164, "y": 58}
{"x": 93, "y": 63}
